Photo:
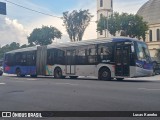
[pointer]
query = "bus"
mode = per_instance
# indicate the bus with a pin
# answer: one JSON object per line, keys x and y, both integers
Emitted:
{"x": 118, "y": 57}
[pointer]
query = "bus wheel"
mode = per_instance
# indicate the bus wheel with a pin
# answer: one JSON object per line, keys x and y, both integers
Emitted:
{"x": 104, "y": 74}
{"x": 119, "y": 79}
{"x": 18, "y": 72}
{"x": 73, "y": 77}
{"x": 58, "y": 73}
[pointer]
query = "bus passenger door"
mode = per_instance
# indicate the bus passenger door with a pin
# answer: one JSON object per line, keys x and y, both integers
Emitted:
{"x": 122, "y": 60}
{"x": 70, "y": 62}
{"x": 41, "y": 60}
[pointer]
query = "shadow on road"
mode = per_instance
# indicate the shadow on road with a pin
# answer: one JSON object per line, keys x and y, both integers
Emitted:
{"x": 84, "y": 79}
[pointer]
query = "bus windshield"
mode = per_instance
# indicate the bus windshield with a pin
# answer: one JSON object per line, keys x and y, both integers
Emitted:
{"x": 142, "y": 52}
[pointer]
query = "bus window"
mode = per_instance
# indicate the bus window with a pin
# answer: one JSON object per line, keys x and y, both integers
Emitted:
{"x": 18, "y": 58}
{"x": 142, "y": 52}
{"x": 105, "y": 52}
{"x": 9, "y": 59}
{"x": 31, "y": 59}
{"x": 81, "y": 55}
{"x": 92, "y": 54}
{"x": 23, "y": 59}
{"x": 59, "y": 56}
{"x": 51, "y": 57}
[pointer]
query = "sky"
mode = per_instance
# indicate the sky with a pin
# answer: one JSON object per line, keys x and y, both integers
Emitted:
{"x": 19, "y": 22}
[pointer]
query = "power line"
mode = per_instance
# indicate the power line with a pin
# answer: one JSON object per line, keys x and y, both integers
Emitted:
{"x": 37, "y": 11}
{"x": 32, "y": 9}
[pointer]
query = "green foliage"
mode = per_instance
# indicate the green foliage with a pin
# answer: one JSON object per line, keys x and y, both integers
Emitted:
{"x": 158, "y": 54}
{"x": 44, "y": 35}
{"x": 8, "y": 47}
{"x": 76, "y": 23}
{"x": 132, "y": 25}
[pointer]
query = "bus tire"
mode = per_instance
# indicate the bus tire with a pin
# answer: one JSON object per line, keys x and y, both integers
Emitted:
{"x": 58, "y": 73}
{"x": 104, "y": 74}
{"x": 73, "y": 77}
{"x": 18, "y": 72}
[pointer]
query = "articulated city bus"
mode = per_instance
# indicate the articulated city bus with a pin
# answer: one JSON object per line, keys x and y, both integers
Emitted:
{"x": 103, "y": 58}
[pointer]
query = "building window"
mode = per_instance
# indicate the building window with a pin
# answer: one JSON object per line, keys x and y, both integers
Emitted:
{"x": 111, "y": 3}
{"x": 101, "y": 15}
{"x": 101, "y": 3}
{"x": 158, "y": 35}
{"x": 150, "y": 35}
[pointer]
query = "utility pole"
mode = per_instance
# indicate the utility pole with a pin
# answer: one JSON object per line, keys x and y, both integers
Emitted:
{"x": 107, "y": 25}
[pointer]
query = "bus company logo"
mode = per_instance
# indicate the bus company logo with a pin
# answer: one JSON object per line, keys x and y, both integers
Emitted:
{"x": 21, "y": 115}
{"x": 6, "y": 114}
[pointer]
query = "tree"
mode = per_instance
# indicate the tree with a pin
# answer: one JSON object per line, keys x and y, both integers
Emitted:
{"x": 24, "y": 46}
{"x": 132, "y": 25}
{"x": 44, "y": 35}
{"x": 76, "y": 23}
{"x": 158, "y": 54}
{"x": 8, "y": 47}
{"x": 14, "y": 46}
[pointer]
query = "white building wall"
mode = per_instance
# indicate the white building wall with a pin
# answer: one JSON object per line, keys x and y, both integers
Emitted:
{"x": 106, "y": 10}
{"x": 154, "y": 45}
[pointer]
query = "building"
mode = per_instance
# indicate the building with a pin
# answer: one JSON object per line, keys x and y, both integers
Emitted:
{"x": 150, "y": 13}
{"x": 104, "y": 8}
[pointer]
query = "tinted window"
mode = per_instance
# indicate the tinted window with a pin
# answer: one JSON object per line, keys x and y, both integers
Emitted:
{"x": 9, "y": 59}
{"x": 106, "y": 52}
{"x": 59, "y": 56}
{"x": 51, "y": 56}
{"x": 142, "y": 52}
{"x": 81, "y": 55}
{"x": 92, "y": 54}
{"x": 31, "y": 58}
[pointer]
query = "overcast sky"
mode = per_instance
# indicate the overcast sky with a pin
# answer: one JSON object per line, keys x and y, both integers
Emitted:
{"x": 19, "y": 22}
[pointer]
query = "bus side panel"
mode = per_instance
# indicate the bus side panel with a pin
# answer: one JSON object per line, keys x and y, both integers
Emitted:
{"x": 132, "y": 71}
{"x": 85, "y": 70}
{"x": 9, "y": 69}
{"x": 140, "y": 72}
{"x": 50, "y": 69}
{"x": 25, "y": 70}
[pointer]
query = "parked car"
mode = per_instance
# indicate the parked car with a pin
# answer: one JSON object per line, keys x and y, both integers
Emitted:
{"x": 156, "y": 67}
{"x": 1, "y": 71}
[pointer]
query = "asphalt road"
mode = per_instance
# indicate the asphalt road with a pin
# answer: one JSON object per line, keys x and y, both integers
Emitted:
{"x": 83, "y": 94}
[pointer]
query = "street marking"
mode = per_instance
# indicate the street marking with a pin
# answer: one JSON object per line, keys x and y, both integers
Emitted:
{"x": 2, "y": 83}
{"x": 149, "y": 89}
{"x": 66, "y": 84}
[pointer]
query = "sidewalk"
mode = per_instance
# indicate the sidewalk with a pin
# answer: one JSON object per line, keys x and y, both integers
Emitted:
{"x": 156, "y": 77}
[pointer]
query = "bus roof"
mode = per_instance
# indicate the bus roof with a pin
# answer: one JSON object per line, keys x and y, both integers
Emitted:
{"x": 93, "y": 41}
{"x": 79, "y": 43}
{"x": 23, "y": 49}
